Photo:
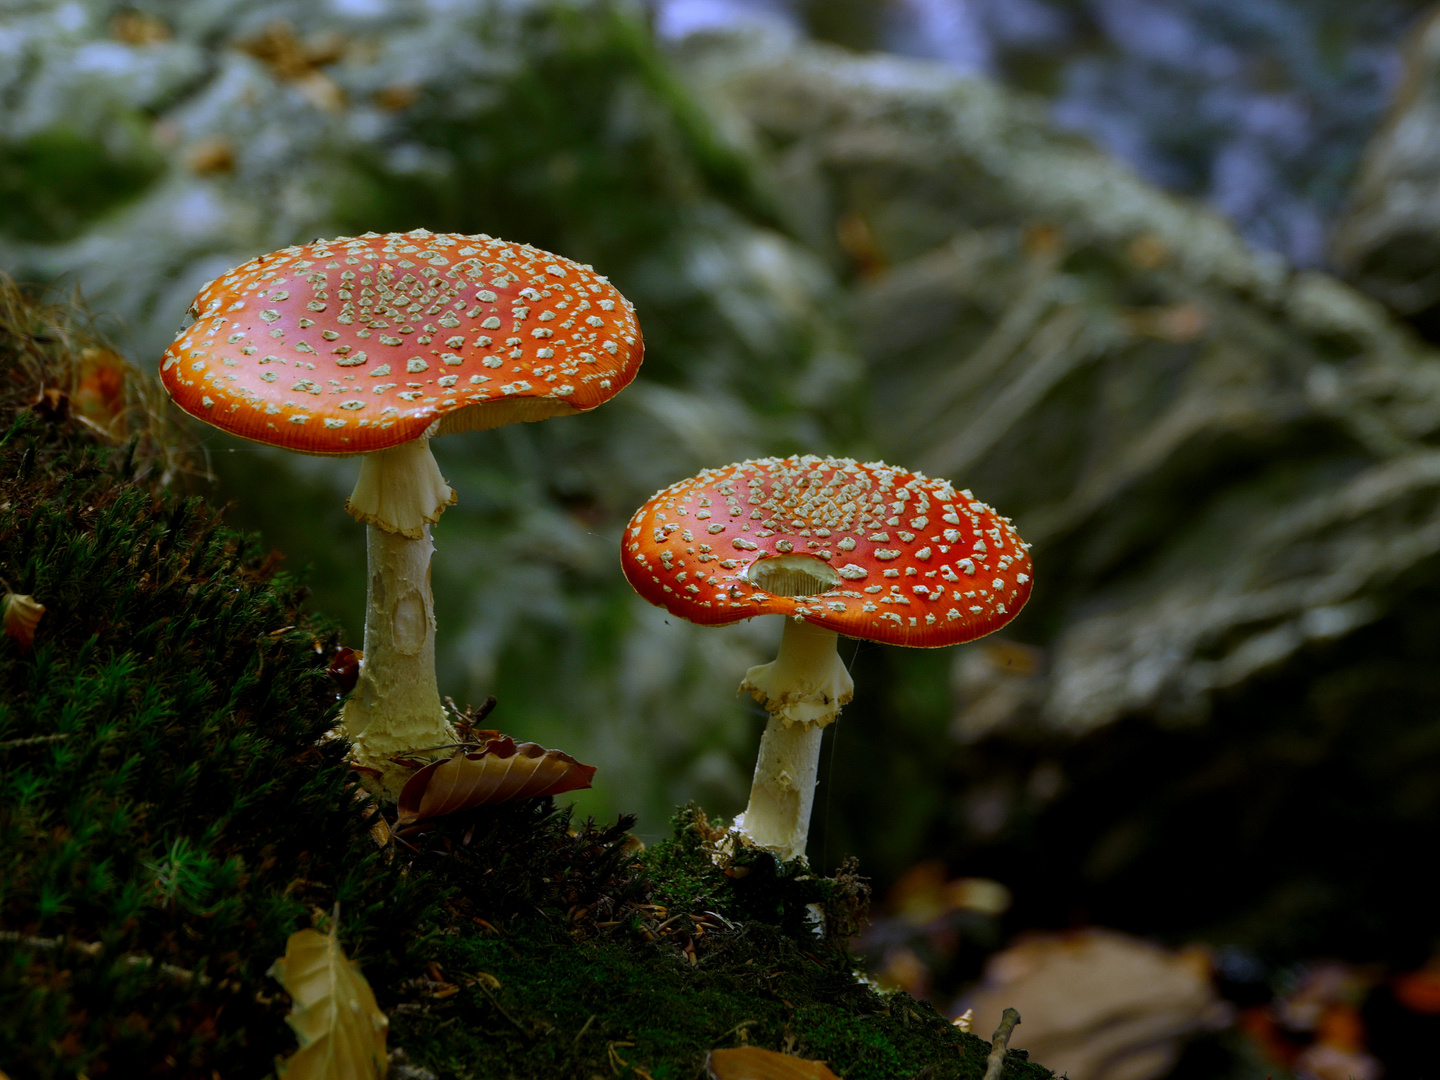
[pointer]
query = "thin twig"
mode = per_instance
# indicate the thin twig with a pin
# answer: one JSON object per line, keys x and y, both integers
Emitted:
{"x": 576, "y": 1041}
{"x": 12, "y": 937}
{"x": 503, "y": 1012}
{"x": 1008, "y": 1019}
{"x": 33, "y": 741}
{"x": 134, "y": 960}
{"x": 737, "y": 1027}
{"x": 464, "y": 744}
{"x": 716, "y": 915}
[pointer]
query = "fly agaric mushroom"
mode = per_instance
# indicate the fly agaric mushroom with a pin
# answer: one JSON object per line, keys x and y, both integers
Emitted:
{"x": 869, "y": 551}
{"x": 371, "y": 345}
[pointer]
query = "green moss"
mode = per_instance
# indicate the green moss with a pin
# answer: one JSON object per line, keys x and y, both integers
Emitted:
{"x": 640, "y": 964}
{"x": 159, "y": 751}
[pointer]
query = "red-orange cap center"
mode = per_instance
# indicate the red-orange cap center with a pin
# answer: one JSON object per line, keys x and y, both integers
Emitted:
{"x": 361, "y": 343}
{"x": 909, "y": 560}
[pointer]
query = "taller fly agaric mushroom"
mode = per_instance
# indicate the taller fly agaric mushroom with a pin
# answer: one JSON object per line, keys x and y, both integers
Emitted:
{"x": 371, "y": 345}
{"x": 837, "y": 547}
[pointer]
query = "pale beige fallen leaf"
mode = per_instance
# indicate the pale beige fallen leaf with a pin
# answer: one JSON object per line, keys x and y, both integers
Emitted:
{"x": 753, "y": 1063}
{"x": 500, "y": 771}
{"x": 1099, "y": 1005}
{"x": 21, "y": 616}
{"x": 334, "y": 1015}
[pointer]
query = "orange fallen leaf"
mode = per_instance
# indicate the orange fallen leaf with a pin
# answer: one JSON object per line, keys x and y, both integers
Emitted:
{"x": 99, "y": 397}
{"x": 502, "y": 770}
{"x": 752, "y": 1063}
{"x": 1419, "y": 991}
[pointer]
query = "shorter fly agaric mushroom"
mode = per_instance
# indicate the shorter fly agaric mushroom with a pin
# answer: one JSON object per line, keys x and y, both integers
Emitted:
{"x": 371, "y": 345}
{"x": 868, "y": 551}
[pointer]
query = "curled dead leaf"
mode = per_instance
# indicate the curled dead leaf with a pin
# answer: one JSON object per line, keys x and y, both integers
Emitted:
{"x": 502, "y": 770}
{"x": 344, "y": 668}
{"x": 340, "y": 1027}
{"x": 21, "y": 616}
{"x": 379, "y": 827}
{"x": 753, "y": 1063}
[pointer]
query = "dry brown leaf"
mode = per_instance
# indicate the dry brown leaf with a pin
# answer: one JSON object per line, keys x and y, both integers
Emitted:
{"x": 212, "y": 156}
{"x": 379, "y": 827}
{"x": 21, "y": 616}
{"x": 502, "y": 770}
{"x": 137, "y": 28}
{"x": 752, "y": 1063}
{"x": 334, "y": 1015}
{"x": 1098, "y": 1003}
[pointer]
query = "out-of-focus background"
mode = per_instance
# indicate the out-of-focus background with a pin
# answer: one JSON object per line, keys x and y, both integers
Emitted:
{"x": 1160, "y": 279}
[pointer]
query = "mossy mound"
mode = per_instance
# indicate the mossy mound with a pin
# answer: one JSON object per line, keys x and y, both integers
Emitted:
{"x": 577, "y": 956}
{"x": 170, "y": 813}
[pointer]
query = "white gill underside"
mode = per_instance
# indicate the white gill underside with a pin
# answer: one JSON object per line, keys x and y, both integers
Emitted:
{"x": 803, "y": 689}
{"x": 493, "y": 414}
{"x": 792, "y": 575}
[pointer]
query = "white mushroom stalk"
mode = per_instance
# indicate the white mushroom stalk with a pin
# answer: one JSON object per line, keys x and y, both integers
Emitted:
{"x": 395, "y": 706}
{"x": 803, "y": 689}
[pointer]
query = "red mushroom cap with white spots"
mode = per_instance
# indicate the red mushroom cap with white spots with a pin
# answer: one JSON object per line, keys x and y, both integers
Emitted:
{"x": 911, "y": 561}
{"x": 362, "y": 343}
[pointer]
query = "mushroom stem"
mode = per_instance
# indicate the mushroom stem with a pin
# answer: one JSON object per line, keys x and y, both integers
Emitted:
{"x": 803, "y": 689}
{"x": 395, "y": 706}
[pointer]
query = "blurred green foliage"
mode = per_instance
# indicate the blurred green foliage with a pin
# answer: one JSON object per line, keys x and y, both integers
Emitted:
{"x": 57, "y": 182}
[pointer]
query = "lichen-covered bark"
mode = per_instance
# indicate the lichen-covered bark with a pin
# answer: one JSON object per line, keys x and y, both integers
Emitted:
{"x": 1388, "y": 242}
